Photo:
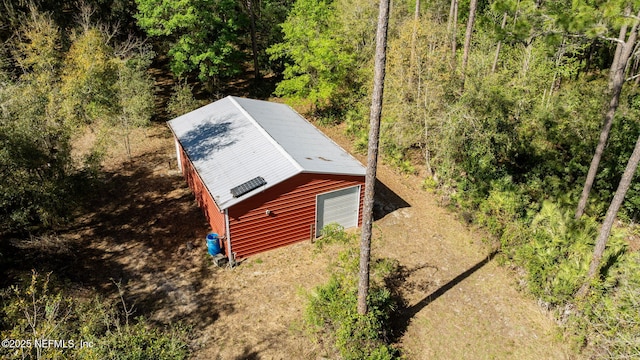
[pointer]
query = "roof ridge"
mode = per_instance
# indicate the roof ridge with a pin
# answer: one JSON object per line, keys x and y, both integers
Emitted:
{"x": 326, "y": 136}
{"x": 266, "y": 134}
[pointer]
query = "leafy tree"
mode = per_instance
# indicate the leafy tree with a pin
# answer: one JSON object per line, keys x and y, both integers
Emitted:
{"x": 34, "y": 139}
{"x": 34, "y": 160}
{"x": 317, "y": 65}
{"x": 473, "y": 6}
{"x": 37, "y": 49}
{"x": 134, "y": 94}
{"x": 182, "y": 100}
{"x": 626, "y": 44}
{"x": 610, "y": 217}
{"x": 415, "y": 84}
{"x": 203, "y": 34}
{"x": 42, "y": 109}
{"x": 88, "y": 76}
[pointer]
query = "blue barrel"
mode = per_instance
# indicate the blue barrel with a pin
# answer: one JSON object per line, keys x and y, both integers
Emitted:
{"x": 213, "y": 244}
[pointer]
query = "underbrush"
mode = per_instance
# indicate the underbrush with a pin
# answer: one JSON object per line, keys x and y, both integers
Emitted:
{"x": 331, "y": 314}
{"x": 555, "y": 250}
{"x": 42, "y": 322}
{"x": 518, "y": 177}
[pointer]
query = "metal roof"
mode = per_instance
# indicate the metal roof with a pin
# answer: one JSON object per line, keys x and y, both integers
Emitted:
{"x": 234, "y": 140}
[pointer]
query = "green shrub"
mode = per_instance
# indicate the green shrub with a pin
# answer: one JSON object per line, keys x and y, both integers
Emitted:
{"x": 609, "y": 321}
{"x": 332, "y": 308}
{"x": 504, "y": 206}
{"x": 559, "y": 252}
{"x": 182, "y": 100}
{"x": 141, "y": 341}
{"x": 36, "y": 310}
{"x": 331, "y": 234}
{"x": 429, "y": 184}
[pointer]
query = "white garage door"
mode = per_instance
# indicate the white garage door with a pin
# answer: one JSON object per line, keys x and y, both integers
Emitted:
{"x": 340, "y": 206}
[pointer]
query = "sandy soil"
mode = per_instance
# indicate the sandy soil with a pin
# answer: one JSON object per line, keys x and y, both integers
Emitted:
{"x": 145, "y": 230}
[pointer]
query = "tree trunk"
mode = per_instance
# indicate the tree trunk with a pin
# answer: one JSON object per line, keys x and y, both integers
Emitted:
{"x": 527, "y": 57}
{"x": 414, "y": 36}
{"x": 254, "y": 42}
{"x": 617, "y": 80}
{"x": 587, "y": 65}
{"x": 636, "y": 66}
{"x": 372, "y": 158}
{"x": 618, "y": 198}
{"x": 467, "y": 38}
{"x": 495, "y": 58}
{"x": 453, "y": 28}
{"x": 554, "y": 80}
{"x": 619, "y": 46}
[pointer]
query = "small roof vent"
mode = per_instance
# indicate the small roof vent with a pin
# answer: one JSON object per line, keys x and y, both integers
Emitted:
{"x": 247, "y": 186}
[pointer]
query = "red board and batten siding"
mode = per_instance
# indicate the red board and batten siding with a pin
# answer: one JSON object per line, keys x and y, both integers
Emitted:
{"x": 211, "y": 211}
{"x": 292, "y": 206}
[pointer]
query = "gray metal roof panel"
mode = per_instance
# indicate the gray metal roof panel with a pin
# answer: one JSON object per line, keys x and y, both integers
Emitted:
{"x": 234, "y": 140}
{"x": 308, "y": 146}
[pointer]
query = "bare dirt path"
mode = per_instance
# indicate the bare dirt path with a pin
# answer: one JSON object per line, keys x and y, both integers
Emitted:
{"x": 147, "y": 232}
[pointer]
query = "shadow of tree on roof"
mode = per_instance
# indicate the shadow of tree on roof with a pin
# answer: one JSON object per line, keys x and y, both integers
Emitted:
{"x": 207, "y": 138}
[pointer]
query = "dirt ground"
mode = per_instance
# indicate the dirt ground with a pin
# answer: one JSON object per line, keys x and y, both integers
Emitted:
{"x": 145, "y": 230}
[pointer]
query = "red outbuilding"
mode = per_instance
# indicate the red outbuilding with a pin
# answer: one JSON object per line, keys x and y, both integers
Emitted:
{"x": 264, "y": 176}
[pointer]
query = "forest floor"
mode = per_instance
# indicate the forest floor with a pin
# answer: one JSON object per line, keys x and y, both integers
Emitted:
{"x": 144, "y": 230}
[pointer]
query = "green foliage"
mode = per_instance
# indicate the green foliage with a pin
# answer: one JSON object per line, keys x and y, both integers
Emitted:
{"x": 182, "y": 100}
{"x": 333, "y": 234}
{"x": 505, "y": 205}
{"x": 134, "y": 94}
{"x": 34, "y": 312}
{"x": 396, "y": 155}
{"x": 34, "y": 139}
{"x": 37, "y": 49}
{"x": 141, "y": 341}
{"x": 429, "y": 184}
{"x": 269, "y": 15}
{"x": 622, "y": 137}
{"x": 88, "y": 76}
{"x": 594, "y": 19}
{"x": 417, "y": 74}
{"x": 37, "y": 310}
{"x": 135, "y": 89}
{"x": 203, "y": 34}
{"x": 42, "y": 109}
{"x": 511, "y": 149}
{"x": 332, "y": 309}
{"x": 318, "y": 66}
{"x": 556, "y": 250}
{"x": 611, "y": 324}
{"x": 559, "y": 252}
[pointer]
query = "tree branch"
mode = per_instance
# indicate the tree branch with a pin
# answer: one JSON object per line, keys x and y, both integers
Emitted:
{"x": 633, "y": 77}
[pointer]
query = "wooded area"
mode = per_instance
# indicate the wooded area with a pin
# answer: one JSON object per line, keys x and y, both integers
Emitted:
{"x": 521, "y": 114}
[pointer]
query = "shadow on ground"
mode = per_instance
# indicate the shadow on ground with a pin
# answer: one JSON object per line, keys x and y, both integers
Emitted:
{"x": 142, "y": 229}
{"x": 386, "y": 201}
{"x": 398, "y": 283}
